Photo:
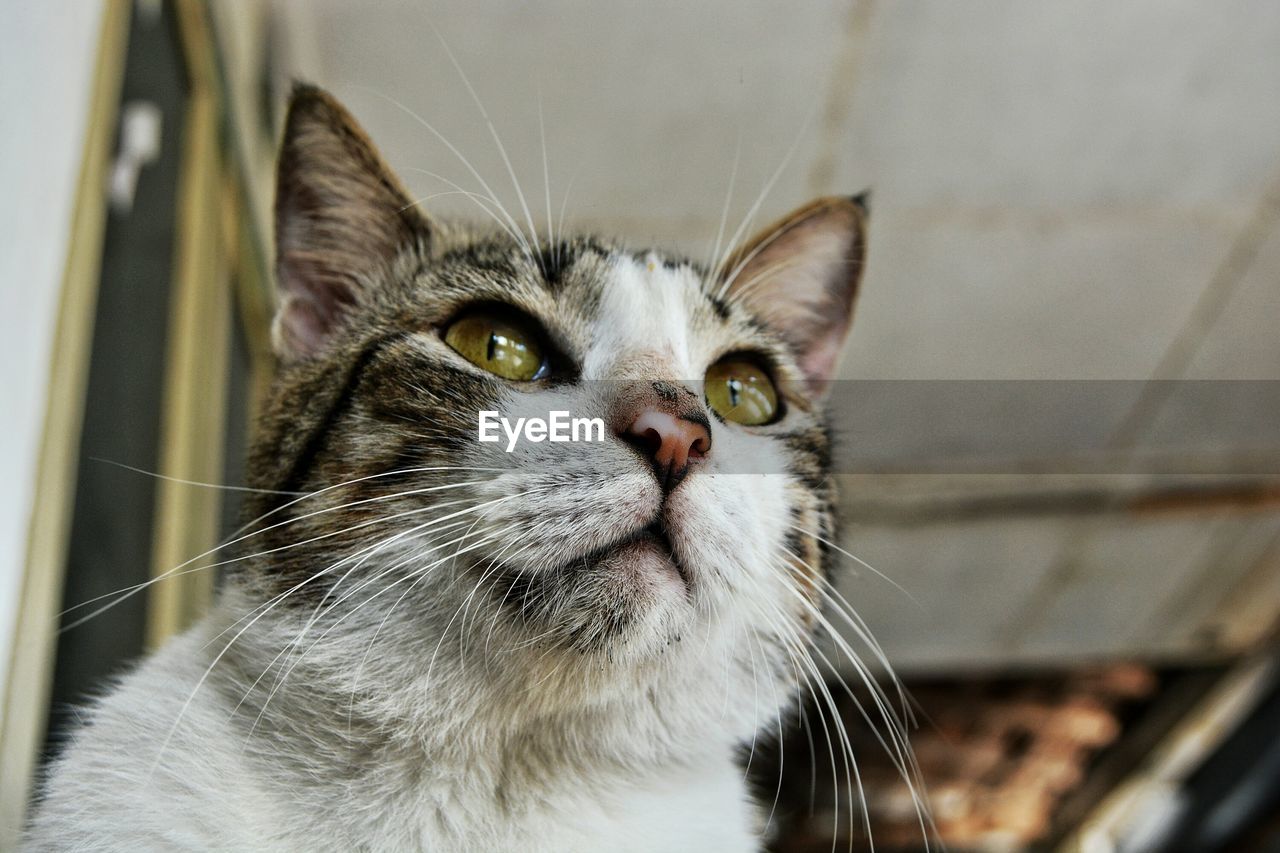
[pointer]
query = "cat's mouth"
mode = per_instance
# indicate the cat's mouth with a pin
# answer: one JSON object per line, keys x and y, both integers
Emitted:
{"x": 622, "y": 578}
{"x": 655, "y": 536}
{"x": 647, "y": 550}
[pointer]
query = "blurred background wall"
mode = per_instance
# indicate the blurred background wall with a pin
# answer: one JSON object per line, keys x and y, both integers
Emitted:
{"x": 41, "y": 170}
{"x": 1060, "y": 465}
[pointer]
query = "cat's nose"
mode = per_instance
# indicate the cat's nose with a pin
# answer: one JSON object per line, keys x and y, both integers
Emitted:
{"x": 670, "y": 441}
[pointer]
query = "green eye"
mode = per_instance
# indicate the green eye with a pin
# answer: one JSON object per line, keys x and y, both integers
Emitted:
{"x": 741, "y": 392}
{"x": 504, "y": 347}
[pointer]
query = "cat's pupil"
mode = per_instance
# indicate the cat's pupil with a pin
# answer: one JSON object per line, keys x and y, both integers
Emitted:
{"x": 493, "y": 345}
{"x": 735, "y": 392}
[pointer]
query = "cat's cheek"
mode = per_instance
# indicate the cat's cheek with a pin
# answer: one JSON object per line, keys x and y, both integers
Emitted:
{"x": 730, "y": 529}
{"x": 560, "y": 513}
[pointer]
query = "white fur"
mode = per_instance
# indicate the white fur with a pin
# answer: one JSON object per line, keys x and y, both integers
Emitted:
{"x": 116, "y": 791}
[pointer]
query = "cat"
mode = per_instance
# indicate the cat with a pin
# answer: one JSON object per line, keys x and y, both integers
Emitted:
{"x": 429, "y": 642}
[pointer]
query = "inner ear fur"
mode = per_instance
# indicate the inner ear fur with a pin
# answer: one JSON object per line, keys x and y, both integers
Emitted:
{"x": 341, "y": 219}
{"x": 800, "y": 276}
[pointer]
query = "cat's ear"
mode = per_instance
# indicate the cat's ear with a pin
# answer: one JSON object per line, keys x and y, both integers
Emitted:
{"x": 342, "y": 217}
{"x": 800, "y": 276}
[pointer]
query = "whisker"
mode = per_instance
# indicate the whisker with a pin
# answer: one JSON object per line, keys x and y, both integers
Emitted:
{"x": 129, "y": 591}
{"x": 900, "y": 753}
{"x": 528, "y": 534}
{"x": 764, "y": 192}
{"x": 185, "y": 482}
{"x": 465, "y": 162}
{"x": 481, "y": 201}
{"x": 821, "y": 691}
{"x": 564, "y": 202}
{"x": 803, "y": 651}
{"x": 362, "y": 553}
{"x": 320, "y": 608}
{"x": 546, "y": 172}
{"x": 208, "y": 670}
{"x": 180, "y": 569}
{"x": 860, "y": 562}
{"x": 728, "y": 197}
{"x": 364, "y": 659}
{"x": 302, "y": 656}
{"x": 493, "y": 131}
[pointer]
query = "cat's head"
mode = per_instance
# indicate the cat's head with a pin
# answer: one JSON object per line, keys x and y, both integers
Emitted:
{"x": 684, "y": 546}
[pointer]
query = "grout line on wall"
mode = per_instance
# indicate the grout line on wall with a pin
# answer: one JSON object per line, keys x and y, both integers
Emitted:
{"x": 843, "y": 85}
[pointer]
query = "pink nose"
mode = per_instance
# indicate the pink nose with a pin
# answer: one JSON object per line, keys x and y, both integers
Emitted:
{"x": 670, "y": 442}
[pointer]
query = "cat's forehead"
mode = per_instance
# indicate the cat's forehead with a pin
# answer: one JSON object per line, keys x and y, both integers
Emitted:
{"x": 654, "y": 311}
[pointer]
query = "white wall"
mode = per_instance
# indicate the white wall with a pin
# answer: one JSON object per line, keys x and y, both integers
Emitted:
{"x": 48, "y": 53}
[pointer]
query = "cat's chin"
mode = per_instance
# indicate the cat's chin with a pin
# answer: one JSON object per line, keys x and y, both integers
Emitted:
{"x": 649, "y": 556}
{"x": 628, "y": 598}
{"x": 638, "y": 575}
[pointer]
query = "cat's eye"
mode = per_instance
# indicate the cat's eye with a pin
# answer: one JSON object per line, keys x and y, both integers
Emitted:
{"x": 740, "y": 391}
{"x": 504, "y": 346}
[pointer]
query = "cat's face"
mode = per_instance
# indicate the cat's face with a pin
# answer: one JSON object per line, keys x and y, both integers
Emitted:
{"x": 695, "y": 521}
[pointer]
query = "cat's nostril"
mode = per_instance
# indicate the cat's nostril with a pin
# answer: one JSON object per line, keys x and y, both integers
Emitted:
{"x": 650, "y": 440}
{"x": 670, "y": 442}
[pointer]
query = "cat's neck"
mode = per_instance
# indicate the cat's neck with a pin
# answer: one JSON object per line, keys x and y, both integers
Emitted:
{"x": 449, "y": 706}
{"x": 477, "y": 763}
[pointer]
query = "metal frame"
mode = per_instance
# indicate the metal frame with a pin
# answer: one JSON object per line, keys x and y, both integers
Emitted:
{"x": 35, "y": 635}
{"x": 219, "y": 267}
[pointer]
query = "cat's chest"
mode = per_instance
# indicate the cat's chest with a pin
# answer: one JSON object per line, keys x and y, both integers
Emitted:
{"x": 705, "y": 808}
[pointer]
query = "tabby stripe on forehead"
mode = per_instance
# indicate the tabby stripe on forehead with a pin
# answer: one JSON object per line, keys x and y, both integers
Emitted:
{"x": 558, "y": 259}
{"x": 555, "y": 259}
{"x": 718, "y": 305}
